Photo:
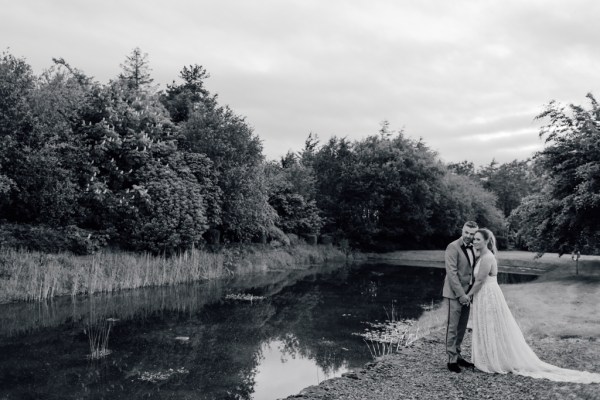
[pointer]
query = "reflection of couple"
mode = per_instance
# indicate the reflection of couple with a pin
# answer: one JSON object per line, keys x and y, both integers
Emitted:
{"x": 498, "y": 346}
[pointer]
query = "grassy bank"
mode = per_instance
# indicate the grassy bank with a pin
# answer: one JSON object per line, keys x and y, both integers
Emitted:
{"x": 34, "y": 276}
{"x": 558, "y": 313}
{"x": 508, "y": 261}
{"x": 558, "y": 304}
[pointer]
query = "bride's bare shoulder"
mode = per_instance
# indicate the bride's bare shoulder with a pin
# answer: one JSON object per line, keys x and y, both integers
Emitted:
{"x": 489, "y": 257}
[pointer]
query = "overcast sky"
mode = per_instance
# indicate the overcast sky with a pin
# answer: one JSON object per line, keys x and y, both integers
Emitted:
{"x": 468, "y": 77}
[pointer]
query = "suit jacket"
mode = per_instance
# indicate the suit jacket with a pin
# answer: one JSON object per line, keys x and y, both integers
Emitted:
{"x": 459, "y": 270}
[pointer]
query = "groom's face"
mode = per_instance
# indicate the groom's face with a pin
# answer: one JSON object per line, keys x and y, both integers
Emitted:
{"x": 468, "y": 234}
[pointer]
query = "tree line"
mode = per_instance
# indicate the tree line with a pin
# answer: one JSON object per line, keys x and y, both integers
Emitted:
{"x": 85, "y": 164}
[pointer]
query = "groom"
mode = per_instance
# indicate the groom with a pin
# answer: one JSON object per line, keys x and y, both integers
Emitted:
{"x": 460, "y": 259}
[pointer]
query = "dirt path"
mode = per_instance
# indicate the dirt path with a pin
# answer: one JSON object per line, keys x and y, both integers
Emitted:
{"x": 419, "y": 372}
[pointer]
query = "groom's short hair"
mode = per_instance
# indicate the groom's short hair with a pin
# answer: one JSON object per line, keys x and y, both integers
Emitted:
{"x": 471, "y": 224}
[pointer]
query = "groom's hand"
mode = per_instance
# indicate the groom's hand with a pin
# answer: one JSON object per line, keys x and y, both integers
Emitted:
{"x": 464, "y": 300}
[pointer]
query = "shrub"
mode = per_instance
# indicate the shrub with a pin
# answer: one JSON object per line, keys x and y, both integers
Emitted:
{"x": 171, "y": 218}
{"x": 47, "y": 239}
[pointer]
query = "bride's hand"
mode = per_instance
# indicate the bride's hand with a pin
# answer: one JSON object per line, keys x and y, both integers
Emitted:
{"x": 464, "y": 300}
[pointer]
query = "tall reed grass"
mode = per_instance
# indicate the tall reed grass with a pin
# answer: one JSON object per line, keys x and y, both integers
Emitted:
{"x": 23, "y": 317}
{"x": 98, "y": 333}
{"x": 388, "y": 337}
{"x": 33, "y": 276}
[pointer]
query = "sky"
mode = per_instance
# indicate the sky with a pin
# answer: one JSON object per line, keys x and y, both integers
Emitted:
{"x": 466, "y": 77}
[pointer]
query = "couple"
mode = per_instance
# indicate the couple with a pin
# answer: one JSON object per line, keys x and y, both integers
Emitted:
{"x": 498, "y": 346}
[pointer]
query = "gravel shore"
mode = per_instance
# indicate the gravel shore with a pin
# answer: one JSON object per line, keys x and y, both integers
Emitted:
{"x": 419, "y": 372}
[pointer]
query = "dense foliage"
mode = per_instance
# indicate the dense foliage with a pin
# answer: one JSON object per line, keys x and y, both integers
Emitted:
{"x": 292, "y": 196}
{"x": 510, "y": 183}
{"x": 389, "y": 191}
{"x": 564, "y": 215}
{"x": 126, "y": 164}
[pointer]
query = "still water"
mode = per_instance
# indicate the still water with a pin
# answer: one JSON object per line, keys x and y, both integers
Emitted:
{"x": 196, "y": 342}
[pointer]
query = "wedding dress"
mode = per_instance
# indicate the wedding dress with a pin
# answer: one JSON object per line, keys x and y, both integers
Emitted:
{"x": 498, "y": 346}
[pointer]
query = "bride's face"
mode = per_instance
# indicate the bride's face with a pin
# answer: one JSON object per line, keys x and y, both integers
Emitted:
{"x": 479, "y": 242}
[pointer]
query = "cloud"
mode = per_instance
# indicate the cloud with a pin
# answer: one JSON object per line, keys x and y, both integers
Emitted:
{"x": 494, "y": 136}
{"x": 450, "y": 72}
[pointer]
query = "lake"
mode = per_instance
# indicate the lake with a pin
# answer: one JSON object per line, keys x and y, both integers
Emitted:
{"x": 263, "y": 336}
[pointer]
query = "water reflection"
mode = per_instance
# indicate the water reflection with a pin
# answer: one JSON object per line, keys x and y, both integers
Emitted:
{"x": 203, "y": 341}
{"x": 282, "y": 371}
{"x": 18, "y": 318}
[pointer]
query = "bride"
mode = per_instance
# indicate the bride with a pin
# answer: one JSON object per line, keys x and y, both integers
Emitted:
{"x": 498, "y": 344}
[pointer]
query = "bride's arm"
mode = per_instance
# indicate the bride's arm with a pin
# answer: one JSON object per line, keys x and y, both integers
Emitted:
{"x": 485, "y": 266}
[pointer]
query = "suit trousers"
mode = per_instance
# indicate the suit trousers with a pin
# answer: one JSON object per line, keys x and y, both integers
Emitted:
{"x": 458, "y": 317}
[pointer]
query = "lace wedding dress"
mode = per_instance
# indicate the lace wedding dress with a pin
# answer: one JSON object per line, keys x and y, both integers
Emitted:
{"x": 499, "y": 346}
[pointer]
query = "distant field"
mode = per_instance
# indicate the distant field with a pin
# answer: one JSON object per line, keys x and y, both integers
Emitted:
{"x": 508, "y": 261}
{"x": 558, "y": 304}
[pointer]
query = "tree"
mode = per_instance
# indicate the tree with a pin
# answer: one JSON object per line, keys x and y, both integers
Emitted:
{"x": 565, "y": 214}
{"x": 465, "y": 167}
{"x": 223, "y": 136}
{"x": 389, "y": 191}
{"x": 291, "y": 194}
{"x": 378, "y": 191}
{"x": 134, "y": 182}
{"x": 169, "y": 213}
{"x": 136, "y": 70}
{"x": 328, "y": 163}
{"x": 16, "y": 123}
{"x": 462, "y": 198}
{"x": 181, "y": 100}
{"x": 236, "y": 154}
{"x": 39, "y": 152}
{"x": 109, "y": 158}
{"x": 207, "y": 177}
{"x": 511, "y": 182}
{"x": 247, "y": 213}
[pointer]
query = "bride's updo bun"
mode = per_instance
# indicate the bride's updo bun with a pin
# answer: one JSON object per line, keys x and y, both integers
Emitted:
{"x": 489, "y": 238}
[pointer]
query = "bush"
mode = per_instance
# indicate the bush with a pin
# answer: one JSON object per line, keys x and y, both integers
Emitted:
{"x": 501, "y": 242}
{"x": 311, "y": 239}
{"x": 326, "y": 239}
{"x": 171, "y": 218}
{"x": 294, "y": 239}
{"x": 52, "y": 240}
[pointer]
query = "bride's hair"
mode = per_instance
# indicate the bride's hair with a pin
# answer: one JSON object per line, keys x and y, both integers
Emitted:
{"x": 490, "y": 238}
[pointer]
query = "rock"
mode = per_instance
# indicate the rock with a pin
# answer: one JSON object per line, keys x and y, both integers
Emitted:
{"x": 351, "y": 375}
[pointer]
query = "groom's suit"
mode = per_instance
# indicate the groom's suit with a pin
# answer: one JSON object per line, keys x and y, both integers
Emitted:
{"x": 459, "y": 272}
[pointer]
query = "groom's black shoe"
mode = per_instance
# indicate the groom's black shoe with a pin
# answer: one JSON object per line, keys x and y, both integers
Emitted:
{"x": 453, "y": 367}
{"x": 464, "y": 363}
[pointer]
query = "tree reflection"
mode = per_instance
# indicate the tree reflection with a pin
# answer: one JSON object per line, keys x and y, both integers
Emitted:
{"x": 310, "y": 316}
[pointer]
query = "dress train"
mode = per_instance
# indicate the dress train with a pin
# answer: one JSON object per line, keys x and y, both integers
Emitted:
{"x": 499, "y": 346}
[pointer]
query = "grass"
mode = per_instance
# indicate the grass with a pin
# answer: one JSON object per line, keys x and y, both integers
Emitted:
{"x": 559, "y": 304}
{"x": 33, "y": 276}
{"x": 508, "y": 261}
{"x": 384, "y": 338}
{"x": 98, "y": 333}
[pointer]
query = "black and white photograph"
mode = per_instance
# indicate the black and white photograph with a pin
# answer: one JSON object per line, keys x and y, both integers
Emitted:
{"x": 299, "y": 199}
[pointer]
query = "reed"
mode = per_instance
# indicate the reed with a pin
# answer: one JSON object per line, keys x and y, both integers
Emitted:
{"x": 34, "y": 276}
{"x": 98, "y": 333}
{"x": 388, "y": 337}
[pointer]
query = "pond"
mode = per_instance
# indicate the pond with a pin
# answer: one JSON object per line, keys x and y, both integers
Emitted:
{"x": 254, "y": 337}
